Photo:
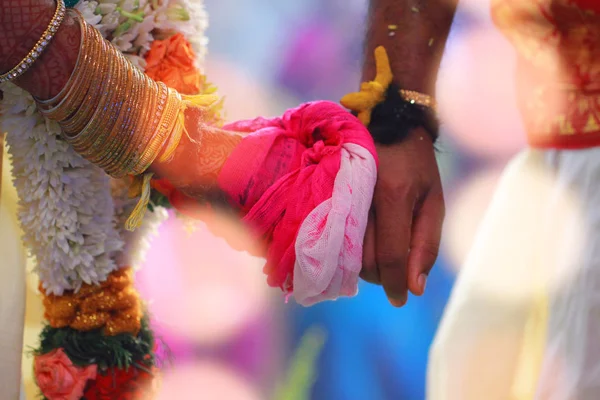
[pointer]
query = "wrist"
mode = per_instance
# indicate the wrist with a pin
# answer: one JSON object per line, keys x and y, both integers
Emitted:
{"x": 17, "y": 37}
{"x": 414, "y": 73}
{"x": 51, "y": 71}
{"x": 393, "y": 119}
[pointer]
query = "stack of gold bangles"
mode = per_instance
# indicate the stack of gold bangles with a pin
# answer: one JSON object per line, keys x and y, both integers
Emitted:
{"x": 111, "y": 112}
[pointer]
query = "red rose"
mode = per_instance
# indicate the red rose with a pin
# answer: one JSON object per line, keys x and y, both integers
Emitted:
{"x": 122, "y": 384}
{"x": 58, "y": 378}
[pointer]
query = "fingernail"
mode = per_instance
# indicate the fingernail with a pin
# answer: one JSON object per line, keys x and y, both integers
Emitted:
{"x": 422, "y": 281}
{"x": 398, "y": 302}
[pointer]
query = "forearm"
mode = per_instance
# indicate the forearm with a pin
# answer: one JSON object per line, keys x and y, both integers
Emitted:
{"x": 414, "y": 33}
{"x": 48, "y": 75}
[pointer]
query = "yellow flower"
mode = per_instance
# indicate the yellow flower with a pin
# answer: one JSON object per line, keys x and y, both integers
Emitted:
{"x": 371, "y": 93}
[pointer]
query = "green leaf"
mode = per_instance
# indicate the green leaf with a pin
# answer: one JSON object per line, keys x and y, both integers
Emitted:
{"x": 93, "y": 347}
{"x": 302, "y": 373}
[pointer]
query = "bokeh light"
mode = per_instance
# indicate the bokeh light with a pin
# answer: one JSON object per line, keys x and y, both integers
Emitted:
{"x": 476, "y": 92}
{"x": 198, "y": 286}
{"x": 466, "y": 208}
{"x": 205, "y": 380}
{"x": 517, "y": 252}
{"x": 245, "y": 96}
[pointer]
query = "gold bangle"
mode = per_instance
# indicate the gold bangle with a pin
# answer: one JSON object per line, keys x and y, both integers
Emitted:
{"x": 40, "y": 46}
{"x": 67, "y": 102}
{"x": 107, "y": 111}
{"x": 114, "y": 155}
{"x": 87, "y": 93}
{"x": 112, "y": 113}
{"x": 153, "y": 148}
{"x": 46, "y": 104}
{"x": 140, "y": 139}
{"x": 164, "y": 131}
{"x": 151, "y": 144}
{"x": 103, "y": 111}
{"x": 421, "y": 99}
{"x": 78, "y": 105}
{"x": 126, "y": 127}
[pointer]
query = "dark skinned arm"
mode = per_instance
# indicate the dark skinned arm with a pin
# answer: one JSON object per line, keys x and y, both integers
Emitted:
{"x": 404, "y": 231}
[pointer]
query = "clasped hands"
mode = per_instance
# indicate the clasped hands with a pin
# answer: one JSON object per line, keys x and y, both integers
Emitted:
{"x": 404, "y": 229}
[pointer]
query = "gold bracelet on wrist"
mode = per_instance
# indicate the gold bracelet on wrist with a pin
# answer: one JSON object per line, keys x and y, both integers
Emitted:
{"x": 47, "y": 104}
{"x": 86, "y": 93}
{"x": 125, "y": 128}
{"x": 82, "y": 140}
{"x": 144, "y": 110}
{"x": 67, "y": 102}
{"x": 92, "y": 138}
{"x": 40, "y": 46}
{"x": 419, "y": 98}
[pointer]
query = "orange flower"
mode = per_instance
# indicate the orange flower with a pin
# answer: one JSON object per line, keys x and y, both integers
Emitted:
{"x": 172, "y": 61}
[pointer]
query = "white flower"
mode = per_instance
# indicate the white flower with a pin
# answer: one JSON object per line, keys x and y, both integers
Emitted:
{"x": 138, "y": 61}
{"x": 16, "y": 100}
{"x": 106, "y": 8}
{"x": 66, "y": 210}
{"x": 144, "y": 38}
{"x": 137, "y": 243}
{"x": 109, "y": 23}
{"x": 88, "y": 10}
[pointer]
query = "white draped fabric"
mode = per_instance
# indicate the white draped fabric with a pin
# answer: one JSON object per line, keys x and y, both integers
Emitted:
{"x": 12, "y": 292}
{"x": 523, "y": 321}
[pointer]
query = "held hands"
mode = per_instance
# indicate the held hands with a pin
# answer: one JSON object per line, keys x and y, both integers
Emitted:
{"x": 404, "y": 231}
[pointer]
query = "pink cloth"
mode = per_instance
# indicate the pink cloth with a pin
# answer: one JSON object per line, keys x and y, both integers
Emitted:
{"x": 304, "y": 182}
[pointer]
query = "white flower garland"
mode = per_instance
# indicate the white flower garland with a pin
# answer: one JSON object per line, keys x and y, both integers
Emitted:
{"x": 71, "y": 222}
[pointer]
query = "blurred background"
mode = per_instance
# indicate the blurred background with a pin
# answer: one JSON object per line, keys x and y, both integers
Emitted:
{"x": 227, "y": 331}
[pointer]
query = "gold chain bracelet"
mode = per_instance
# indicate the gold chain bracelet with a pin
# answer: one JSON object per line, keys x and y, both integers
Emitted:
{"x": 40, "y": 46}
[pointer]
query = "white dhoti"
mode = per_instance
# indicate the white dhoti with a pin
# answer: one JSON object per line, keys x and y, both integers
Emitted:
{"x": 523, "y": 321}
{"x": 12, "y": 291}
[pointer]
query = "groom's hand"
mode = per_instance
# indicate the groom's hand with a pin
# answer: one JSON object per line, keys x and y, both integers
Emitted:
{"x": 403, "y": 235}
{"x": 404, "y": 230}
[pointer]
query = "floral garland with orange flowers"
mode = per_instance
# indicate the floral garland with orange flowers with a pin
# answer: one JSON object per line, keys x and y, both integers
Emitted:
{"x": 97, "y": 342}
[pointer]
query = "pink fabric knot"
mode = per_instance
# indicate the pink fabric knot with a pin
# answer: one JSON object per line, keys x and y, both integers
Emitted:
{"x": 304, "y": 183}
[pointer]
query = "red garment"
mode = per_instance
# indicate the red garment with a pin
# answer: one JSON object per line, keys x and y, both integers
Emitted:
{"x": 284, "y": 170}
{"x": 592, "y": 5}
{"x": 558, "y": 42}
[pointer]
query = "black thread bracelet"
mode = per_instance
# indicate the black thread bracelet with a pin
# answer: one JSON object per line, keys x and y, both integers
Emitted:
{"x": 393, "y": 119}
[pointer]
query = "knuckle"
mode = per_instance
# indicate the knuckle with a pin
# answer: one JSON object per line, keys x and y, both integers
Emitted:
{"x": 391, "y": 190}
{"x": 388, "y": 260}
{"x": 430, "y": 251}
{"x": 370, "y": 276}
